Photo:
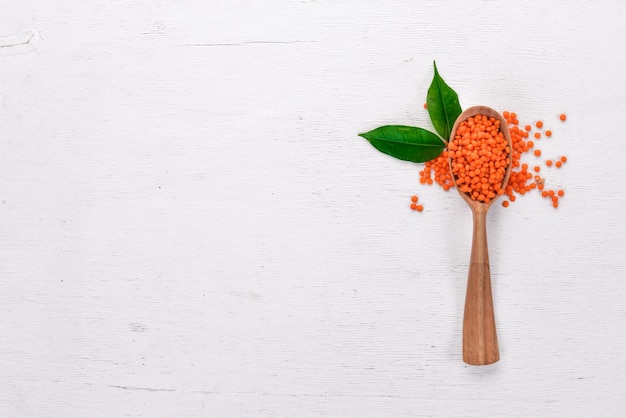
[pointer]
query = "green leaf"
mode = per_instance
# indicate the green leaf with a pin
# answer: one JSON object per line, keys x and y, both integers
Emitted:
{"x": 406, "y": 142}
{"x": 443, "y": 105}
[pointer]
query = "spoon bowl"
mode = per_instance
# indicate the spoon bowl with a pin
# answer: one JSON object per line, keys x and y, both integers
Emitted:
{"x": 480, "y": 343}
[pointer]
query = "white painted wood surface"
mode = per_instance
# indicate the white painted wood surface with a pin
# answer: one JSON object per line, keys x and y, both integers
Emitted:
{"x": 190, "y": 227}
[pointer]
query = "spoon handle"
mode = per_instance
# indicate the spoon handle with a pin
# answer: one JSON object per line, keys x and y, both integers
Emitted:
{"x": 480, "y": 344}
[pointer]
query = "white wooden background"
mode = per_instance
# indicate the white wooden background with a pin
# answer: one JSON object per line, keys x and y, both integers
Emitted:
{"x": 190, "y": 226}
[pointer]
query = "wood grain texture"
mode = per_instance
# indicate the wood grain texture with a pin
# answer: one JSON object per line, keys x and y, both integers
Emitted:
{"x": 480, "y": 342}
{"x": 191, "y": 227}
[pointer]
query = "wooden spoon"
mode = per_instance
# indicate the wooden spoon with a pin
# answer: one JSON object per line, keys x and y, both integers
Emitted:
{"x": 480, "y": 344}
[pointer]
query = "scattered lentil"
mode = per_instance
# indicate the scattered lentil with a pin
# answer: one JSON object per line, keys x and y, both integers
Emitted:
{"x": 522, "y": 178}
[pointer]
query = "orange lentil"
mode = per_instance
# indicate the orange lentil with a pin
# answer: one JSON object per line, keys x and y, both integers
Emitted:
{"x": 528, "y": 127}
{"x": 413, "y": 206}
{"x": 537, "y": 153}
{"x": 441, "y": 170}
{"x": 480, "y": 157}
{"x": 561, "y": 193}
{"x": 414, "y": 199}
{"x": 539, "y": 124}
{"x": 419, "y": 208}
{"x": 521, "y": 180}
{"x": 518, "y": 181}
{"x": 505, "y": 203}
{"x": 425, "y": 105}
{"x": 537, "y": 135}
{"x": 562, "y": 116}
